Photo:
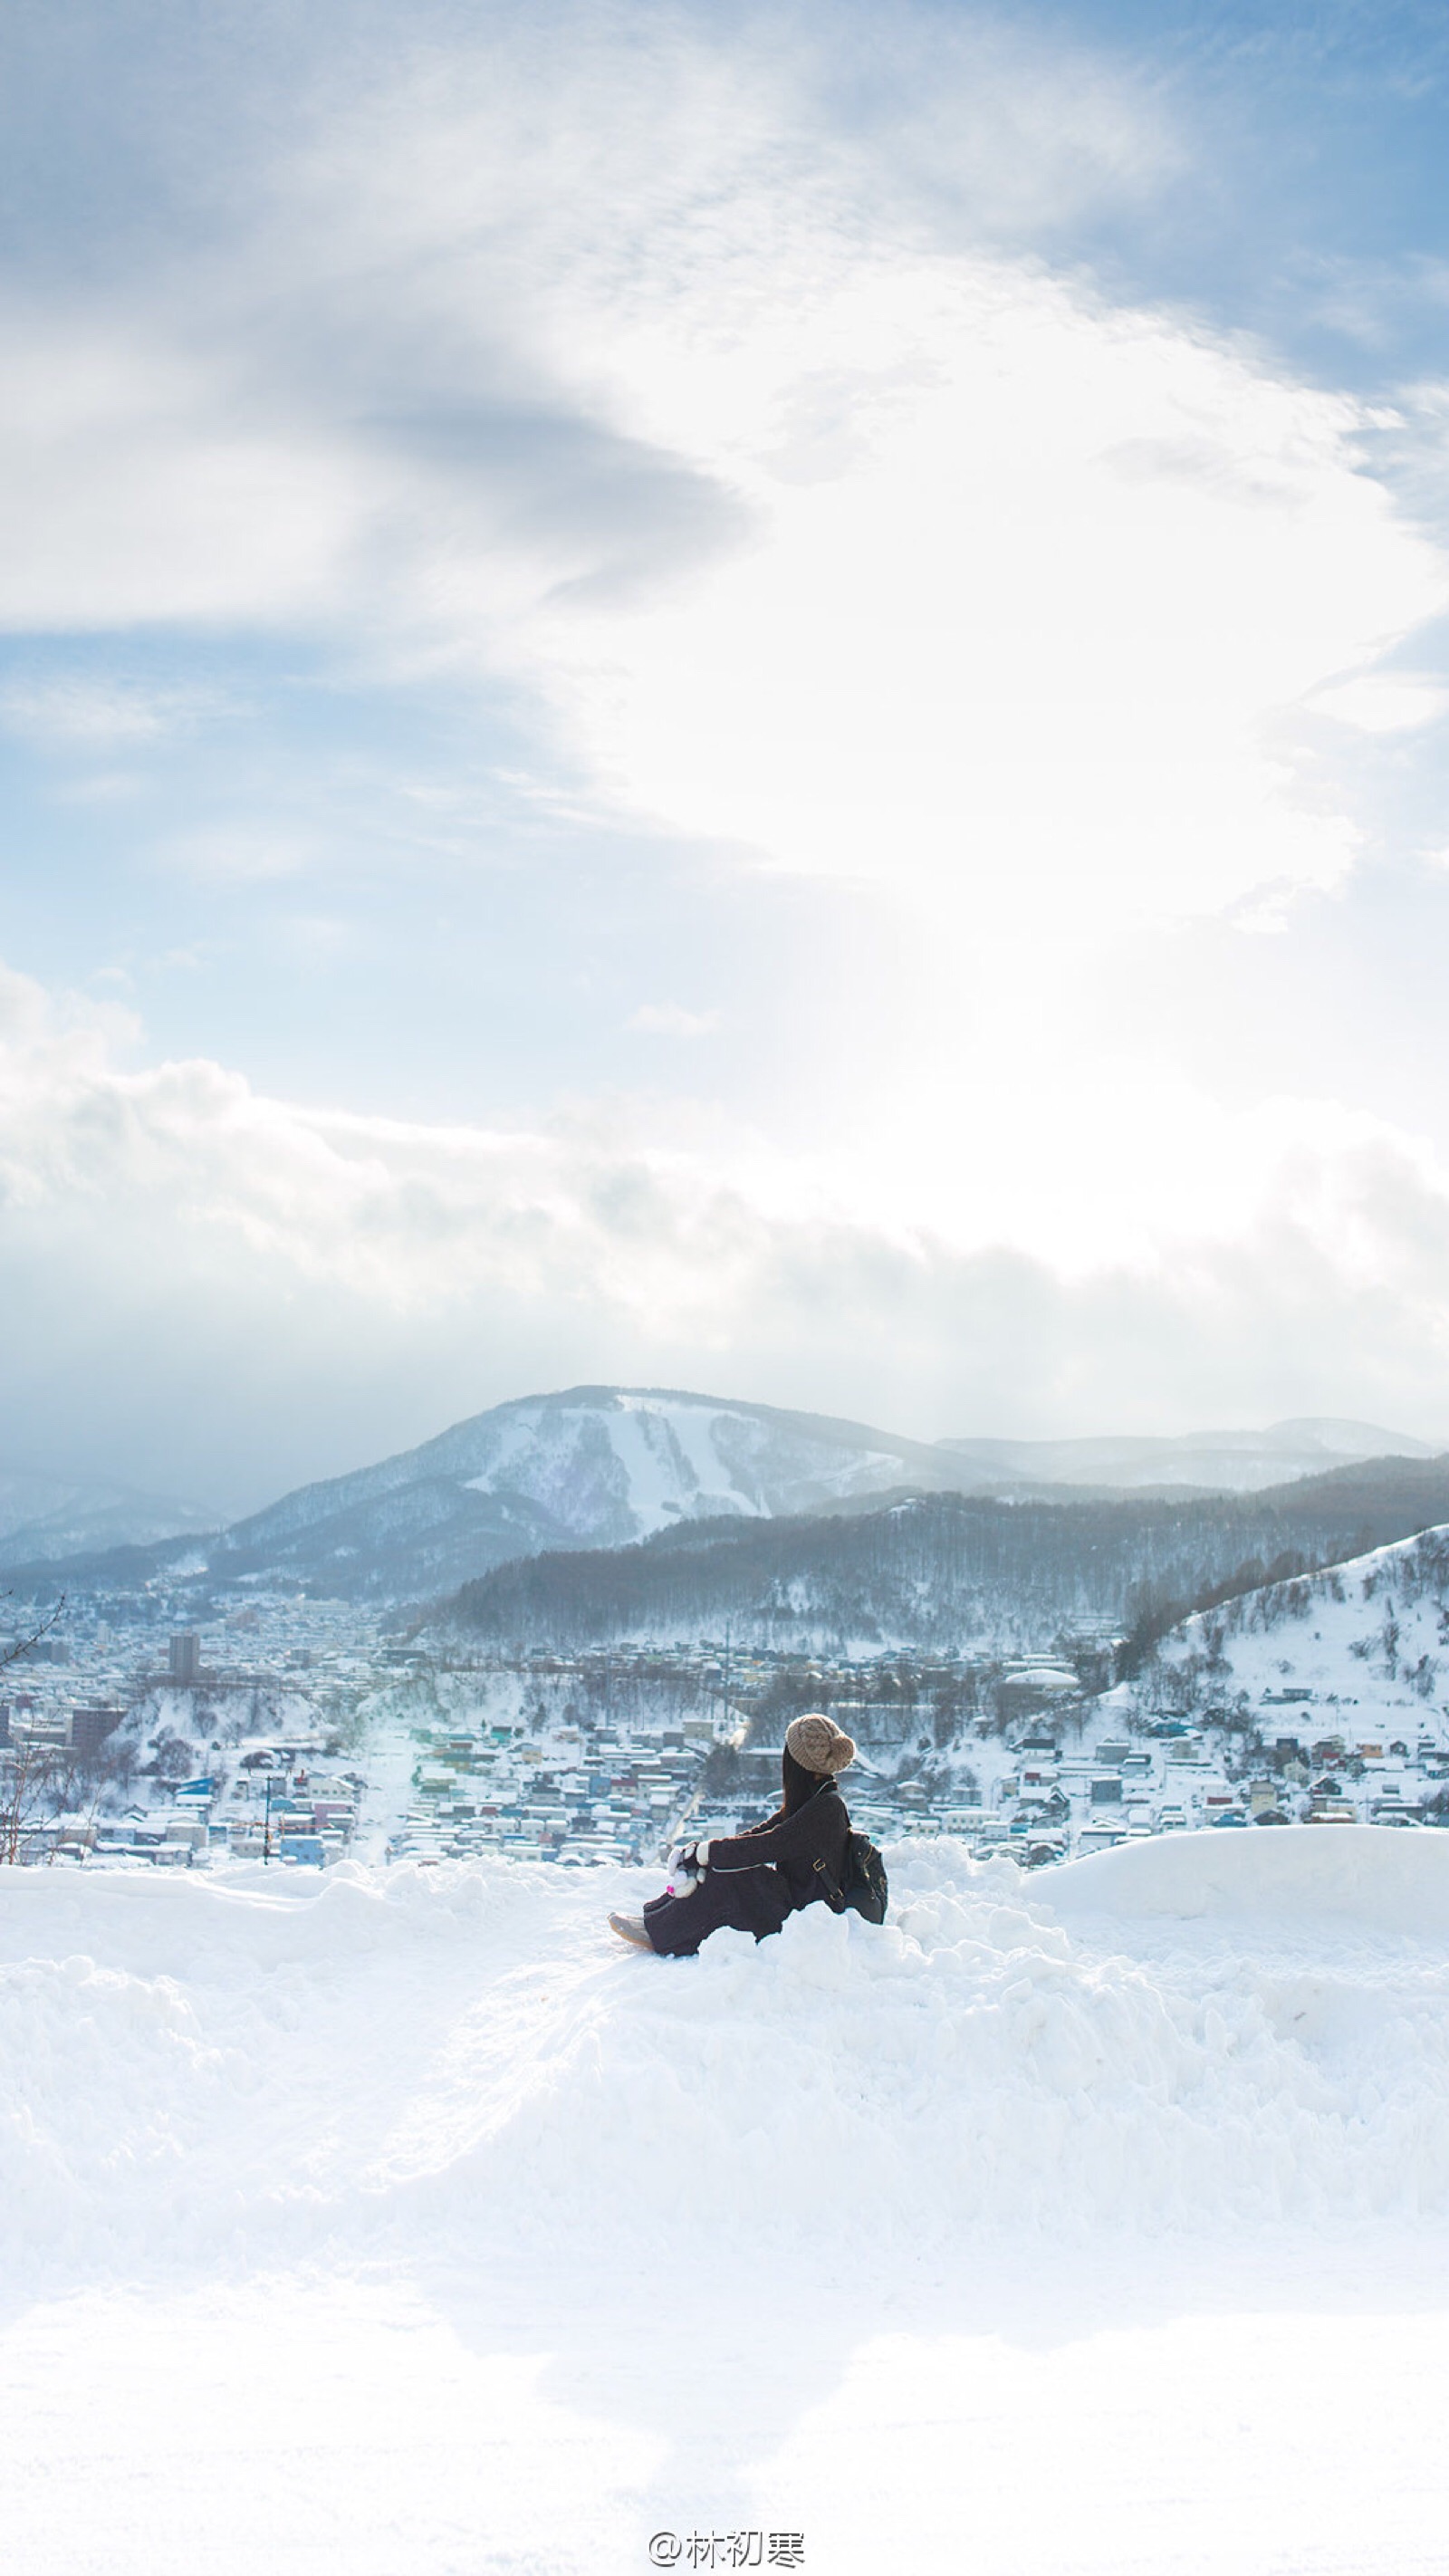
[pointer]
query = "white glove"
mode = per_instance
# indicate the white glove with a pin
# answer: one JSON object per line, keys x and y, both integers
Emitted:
{"x": 687, "y": 1867}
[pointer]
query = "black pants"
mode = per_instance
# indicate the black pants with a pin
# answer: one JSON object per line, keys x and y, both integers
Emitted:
{"x": 750, "y": 1900}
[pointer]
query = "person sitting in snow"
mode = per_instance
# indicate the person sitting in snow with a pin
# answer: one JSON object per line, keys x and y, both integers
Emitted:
{"x": 754, "y": 1879}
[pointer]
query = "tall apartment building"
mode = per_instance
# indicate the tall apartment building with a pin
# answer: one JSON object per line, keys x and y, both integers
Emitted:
{"x": 89, "y": 1728}
{"x": 186, "y": 1657}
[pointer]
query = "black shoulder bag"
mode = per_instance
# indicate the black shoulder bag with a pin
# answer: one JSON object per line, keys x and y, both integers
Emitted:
{"x": 865, "y": 1886}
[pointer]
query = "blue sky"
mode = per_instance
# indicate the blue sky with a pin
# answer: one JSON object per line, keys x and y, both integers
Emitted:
{"x": 1312, "y": 206}
{"x": 717, "y": 697}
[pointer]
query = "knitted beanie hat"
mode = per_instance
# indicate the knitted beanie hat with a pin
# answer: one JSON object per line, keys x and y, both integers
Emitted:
{"x": 818, "y": 1744}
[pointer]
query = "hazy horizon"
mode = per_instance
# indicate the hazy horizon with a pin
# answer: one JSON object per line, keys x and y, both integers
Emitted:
{"x": 707, "y": 698}
{"x": 236, "y": 1506}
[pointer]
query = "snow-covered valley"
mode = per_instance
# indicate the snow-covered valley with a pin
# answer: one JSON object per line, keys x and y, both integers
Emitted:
{"x": 385, "y": 2219}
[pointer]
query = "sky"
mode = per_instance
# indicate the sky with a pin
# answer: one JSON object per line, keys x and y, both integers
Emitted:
{"x": 732, "y": 698}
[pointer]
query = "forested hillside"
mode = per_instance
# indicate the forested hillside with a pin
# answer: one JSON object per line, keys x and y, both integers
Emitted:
{"x": 950, "y": 1571}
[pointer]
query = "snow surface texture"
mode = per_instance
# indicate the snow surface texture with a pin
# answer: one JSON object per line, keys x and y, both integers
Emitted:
{"x": 399, "y": 2221}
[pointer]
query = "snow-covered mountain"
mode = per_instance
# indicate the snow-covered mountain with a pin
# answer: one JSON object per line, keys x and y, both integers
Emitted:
{"x": 600, "y": 1467}
{"x": 592, "y": 1467}
{"x": 1238, "y": 1462}
{"x": 45, "y": 1518}
{"x": 1361, "y": 1648}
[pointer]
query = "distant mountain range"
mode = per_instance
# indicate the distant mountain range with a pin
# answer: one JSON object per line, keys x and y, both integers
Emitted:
{"x": 44, "y": 1519}
{"x": 1225, "y": 1462}
{"x": 601, "y": 1467}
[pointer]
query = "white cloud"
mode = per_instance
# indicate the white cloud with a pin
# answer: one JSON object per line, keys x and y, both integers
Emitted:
{"x": 971, "y": 652}
{"x": 89, "y": 715}
{"x": 815, "y": 520}
{"x": 672, "y": 1020}
{"x": 1296, "y": 1265}
{"x": 1388, "y": 702}
{"x": 1005, "y": 598}
{"x": 239, "y": 854}
{"x": 143, "y": 485}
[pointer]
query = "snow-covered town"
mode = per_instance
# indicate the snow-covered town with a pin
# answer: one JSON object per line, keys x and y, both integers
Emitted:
{"x": 295, "y": 1730}
{"x": 126, "y": 1742}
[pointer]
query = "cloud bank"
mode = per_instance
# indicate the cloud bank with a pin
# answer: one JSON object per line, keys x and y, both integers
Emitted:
{"x": 714, "y": 400}
{"x": 255, "y": 1251}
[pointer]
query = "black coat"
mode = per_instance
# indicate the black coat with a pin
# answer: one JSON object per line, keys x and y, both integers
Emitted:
{"x": 756, "y": 1878}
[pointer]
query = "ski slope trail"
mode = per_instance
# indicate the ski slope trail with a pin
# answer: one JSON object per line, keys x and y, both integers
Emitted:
{"x": 401, "y": 2219}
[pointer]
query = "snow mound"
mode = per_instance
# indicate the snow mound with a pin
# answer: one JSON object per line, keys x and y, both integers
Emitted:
{"x": 197, "y": 2073}
{"x": 1381, "y": 1879}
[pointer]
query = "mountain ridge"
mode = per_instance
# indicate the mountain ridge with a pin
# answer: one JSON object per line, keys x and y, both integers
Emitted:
{"x": 1235, "y": 1461}
{"x": 599, "y": 1467}
{"x": 48, "y": 1517}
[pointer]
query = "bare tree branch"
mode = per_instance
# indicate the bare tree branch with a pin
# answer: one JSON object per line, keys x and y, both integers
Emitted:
{"x": 19, "y": 1647}
{"x": 32, "y": 1776}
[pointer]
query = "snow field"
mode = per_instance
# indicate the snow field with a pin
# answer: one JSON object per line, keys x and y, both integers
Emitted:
{"x": 305, "y": 2425}
{"x": 401, "y": 2219}
{"x": 371, "y": 2056}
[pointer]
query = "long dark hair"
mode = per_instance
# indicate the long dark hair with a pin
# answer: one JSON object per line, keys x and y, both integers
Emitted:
{"x": 799, "y": 1784}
